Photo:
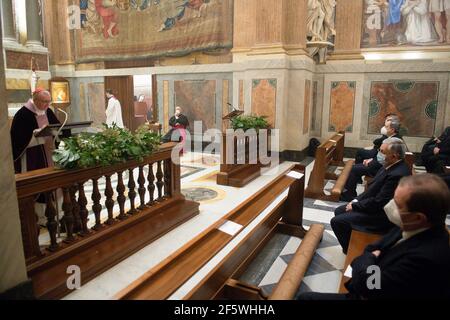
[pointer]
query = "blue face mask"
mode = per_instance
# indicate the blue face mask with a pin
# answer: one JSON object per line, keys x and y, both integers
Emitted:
{"x": 381, "y": 158}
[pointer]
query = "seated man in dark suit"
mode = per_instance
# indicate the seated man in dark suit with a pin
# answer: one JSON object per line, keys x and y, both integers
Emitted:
{"x": 413, "y": 260}
{"x": 369, "y": 167}
{"x": 366, "y": 213}
{"x": 364, "y": 154}
{"x": 436, "y": 153}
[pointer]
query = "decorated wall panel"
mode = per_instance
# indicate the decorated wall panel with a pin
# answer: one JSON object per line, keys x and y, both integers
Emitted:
{"x": 264, "y": 99}
{"x": 307, "y": 106}
{"x": 342, "y": 106}
{"x": 198, "y": 101}
{"x": 416, "y": 103}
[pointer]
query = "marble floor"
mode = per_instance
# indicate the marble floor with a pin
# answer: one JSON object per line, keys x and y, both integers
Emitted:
{"x": 198, "y": 183}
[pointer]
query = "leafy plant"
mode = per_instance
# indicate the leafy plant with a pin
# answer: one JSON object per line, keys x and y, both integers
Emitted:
{"x": 246, "y": 122}
{"x": 111, "y": 146}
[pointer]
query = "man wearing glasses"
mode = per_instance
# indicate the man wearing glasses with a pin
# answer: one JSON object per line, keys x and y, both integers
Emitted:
{"x": 31, "y": 153}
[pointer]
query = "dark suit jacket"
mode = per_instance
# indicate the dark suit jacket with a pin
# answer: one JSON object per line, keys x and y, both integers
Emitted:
{"x": 418, "y": 267}
{"x": 379, "y": 141}
{"x": 444, "y": 145}
{"x": 381, "y": 189}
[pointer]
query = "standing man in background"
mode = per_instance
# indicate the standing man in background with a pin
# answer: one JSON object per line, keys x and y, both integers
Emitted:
{"x": 113, "y": 111}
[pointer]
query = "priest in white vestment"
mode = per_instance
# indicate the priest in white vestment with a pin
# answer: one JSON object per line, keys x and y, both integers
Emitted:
{"x": 113, "y": 111}
{"x": 419, "y": 28}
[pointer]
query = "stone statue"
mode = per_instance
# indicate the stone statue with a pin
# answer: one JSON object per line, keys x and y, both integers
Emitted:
{"x": 316, "y": 16}
{"x": 320, "y": 23}
{"x": 320, "y": 27}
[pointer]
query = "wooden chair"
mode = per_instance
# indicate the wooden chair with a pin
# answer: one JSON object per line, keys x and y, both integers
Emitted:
{"x": 358, "y": 242}
{"x": 331, "y": 152}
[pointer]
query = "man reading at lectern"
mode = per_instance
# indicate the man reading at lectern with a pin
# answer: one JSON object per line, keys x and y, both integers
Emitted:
{"x": 179, "y": 123}
{"x": 31, "y": 153}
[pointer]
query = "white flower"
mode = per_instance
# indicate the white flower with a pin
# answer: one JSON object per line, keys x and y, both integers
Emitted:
{"x": 61, "y": 146}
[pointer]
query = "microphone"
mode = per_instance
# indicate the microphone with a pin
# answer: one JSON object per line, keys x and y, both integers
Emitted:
{"x": 62, "y": 127}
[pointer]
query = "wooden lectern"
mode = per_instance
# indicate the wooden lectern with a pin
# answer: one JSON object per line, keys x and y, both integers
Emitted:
{"x": 234, "y": 174}
{"x": 66, "y": 132}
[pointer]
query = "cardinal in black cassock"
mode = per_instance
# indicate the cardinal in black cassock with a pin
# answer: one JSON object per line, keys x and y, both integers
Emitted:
{"x": 34, "y": 115}
{"x": 179, "y": 124}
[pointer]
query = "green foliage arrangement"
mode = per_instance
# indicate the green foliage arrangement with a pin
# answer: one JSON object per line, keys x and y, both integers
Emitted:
{"x": 246, "y": 122}
{"x": 111, "y": 146}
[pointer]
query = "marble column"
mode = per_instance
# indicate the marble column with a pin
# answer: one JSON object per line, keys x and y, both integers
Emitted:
{"x": 34, "y": 24}
{"x": 9, "y": 32}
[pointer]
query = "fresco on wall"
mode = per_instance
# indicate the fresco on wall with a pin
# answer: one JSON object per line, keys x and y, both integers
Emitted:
{"x": 405, "y": 22}
{"x": 264, "y": 99}
{"x": 96, "y": 100}
{"x": 416, "y": 103}
{"x": 342, "y": 106}
{"x": 198, "y": 101}
{"x": 144, "y": 28}
{"x": 307, "y": 106}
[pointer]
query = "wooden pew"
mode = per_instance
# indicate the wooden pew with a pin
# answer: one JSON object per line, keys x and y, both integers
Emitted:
{"x": 358, "y": 242}
{"x": 222, "y": 281}
{"x": 331, "y": 152}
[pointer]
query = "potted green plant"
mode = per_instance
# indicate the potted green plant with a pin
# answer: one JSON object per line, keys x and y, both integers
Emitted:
{"x": 246, "y": 122}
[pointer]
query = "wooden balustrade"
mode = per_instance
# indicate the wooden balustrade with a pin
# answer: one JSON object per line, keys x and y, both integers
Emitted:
{"x": 113, "y": 232}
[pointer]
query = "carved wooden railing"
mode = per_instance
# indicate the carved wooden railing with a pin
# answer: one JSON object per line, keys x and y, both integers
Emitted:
{"x": 155, "y": 204}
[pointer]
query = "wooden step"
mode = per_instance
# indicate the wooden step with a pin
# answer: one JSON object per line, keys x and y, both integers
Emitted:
{"x": 163, "y": 280}
{"x": 244, "y": 176}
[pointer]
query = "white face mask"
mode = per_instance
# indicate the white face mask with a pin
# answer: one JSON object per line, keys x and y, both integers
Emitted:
{"x": 392, "y": 213}
{"x": 381, "y": 158}
{"x": 384, "y": 131}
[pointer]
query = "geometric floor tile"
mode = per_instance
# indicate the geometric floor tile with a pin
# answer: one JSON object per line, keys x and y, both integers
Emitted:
{"x": 333, "y": 255}
{"x": 325, "y": 282}
{"x": 319, "y": 265}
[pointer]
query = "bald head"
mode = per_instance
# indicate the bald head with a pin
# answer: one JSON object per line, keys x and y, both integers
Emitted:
{"x": 42, "y": 99}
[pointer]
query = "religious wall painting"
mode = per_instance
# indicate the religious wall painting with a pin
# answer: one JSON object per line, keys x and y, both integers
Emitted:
{"x": 96, "y": 103}
{"x": 306, "y": 106}
{"x": 405, "y": 22}
{"x": 342, "y": 106}
{"x": 149, "y": 28}
{"x": 416, "y": 103}
{"x": 197, "y": 98}
{"x": 264, "y": 99}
